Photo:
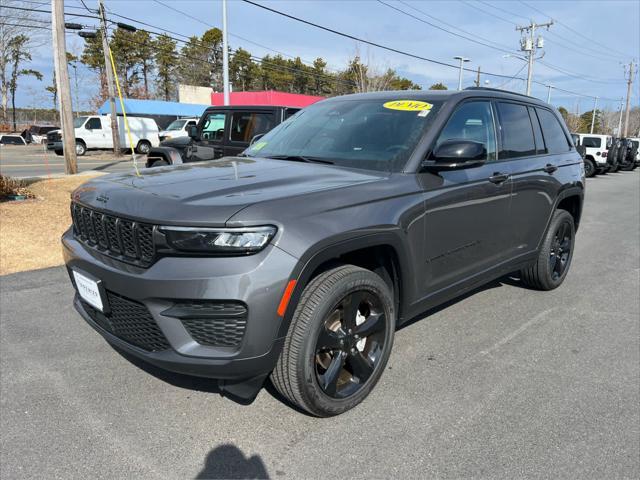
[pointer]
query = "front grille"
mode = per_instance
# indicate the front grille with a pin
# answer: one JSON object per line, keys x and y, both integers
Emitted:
{"x": 54, "y": 137}
{"x": 212, "y": 322}
{"x": 126, "y": 240}
{"x": 129, "y": 321}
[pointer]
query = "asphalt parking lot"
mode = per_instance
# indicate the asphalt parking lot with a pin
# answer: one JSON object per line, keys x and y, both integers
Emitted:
{"x": 37, "y": 161}
{"x": 503, "y": 383}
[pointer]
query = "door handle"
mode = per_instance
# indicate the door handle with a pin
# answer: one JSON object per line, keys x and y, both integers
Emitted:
{"x": 550, "y": 168}
{"x": 498, "y": 177}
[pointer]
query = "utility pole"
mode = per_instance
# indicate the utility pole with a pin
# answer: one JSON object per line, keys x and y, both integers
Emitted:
{"x": 593, "y": 115}
{"x": 530, "y": 45}
{"x": 64, "y": 89}
{"x": 626, "y": 115}
{"x": 225, "y": 55}
{"x": 462, "y": 61}
{"x": 549, "y": 87}
{"x": 619, "y": 132}
{"x": 110, "y": 82}
{"x": 478, "y": 77}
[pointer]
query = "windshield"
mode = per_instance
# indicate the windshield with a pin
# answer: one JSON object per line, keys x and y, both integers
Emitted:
{"x": 370, "y": 134}
{"x": 176, "y": 125}
{"x": 79, "y": 121}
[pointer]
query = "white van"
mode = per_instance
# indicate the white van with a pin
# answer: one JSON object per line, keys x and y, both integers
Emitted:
{"x": 94, "y": 133}
{"x": 178, "y": 128}
{"x": 596, "y": 149}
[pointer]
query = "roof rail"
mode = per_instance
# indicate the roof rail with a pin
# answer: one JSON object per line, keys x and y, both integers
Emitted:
{"x": 500, "y": 90}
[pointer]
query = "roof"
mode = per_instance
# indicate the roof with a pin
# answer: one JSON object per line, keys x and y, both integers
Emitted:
{"x": 155, "y": 107}
{"x": 266, "y": 97}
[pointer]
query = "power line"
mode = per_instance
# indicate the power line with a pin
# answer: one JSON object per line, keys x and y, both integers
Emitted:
{"x": 590, "y": 40}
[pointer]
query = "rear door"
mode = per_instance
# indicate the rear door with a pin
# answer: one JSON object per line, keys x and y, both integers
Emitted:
{"x": 467, "y": 211}
{"x": 246, "y": 124}
{"x": 538, "y": 148}
{"x": 212, "y": 132}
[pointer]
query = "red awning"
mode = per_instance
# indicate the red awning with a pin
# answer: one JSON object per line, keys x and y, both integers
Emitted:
{"x": 268, "y": 97}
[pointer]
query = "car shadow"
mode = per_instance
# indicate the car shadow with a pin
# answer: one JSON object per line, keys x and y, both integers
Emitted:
{"x": 227, "y": 461}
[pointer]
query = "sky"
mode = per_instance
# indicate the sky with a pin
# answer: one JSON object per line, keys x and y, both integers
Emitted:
{"x": 584, "y": 51}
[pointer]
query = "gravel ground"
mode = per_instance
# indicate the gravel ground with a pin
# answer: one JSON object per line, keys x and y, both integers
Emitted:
{"x": 503, "y": 383}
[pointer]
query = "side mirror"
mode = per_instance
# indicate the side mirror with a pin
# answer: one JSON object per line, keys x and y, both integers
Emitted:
{"x": 193, "y": 132}
{"x": 456, "y": 154}
{"x": 256, "y": 138}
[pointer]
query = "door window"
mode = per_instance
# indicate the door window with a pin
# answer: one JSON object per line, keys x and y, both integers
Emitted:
{"x": 213, "y": 127}
{"x": 246, "y": 125}
{"x": 517, "y": 133}
{"x": 591, "y": 142}
{"x": 537, "y": 132}
{"x": 93, "y": 124}
{"x": 472, "y": 121}
{"x": 553, "y": 132}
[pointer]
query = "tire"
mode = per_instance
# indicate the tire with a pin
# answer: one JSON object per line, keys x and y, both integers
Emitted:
{"x": 554, "y": 258}
{"x": 589, "y": 168}
{"x": 81, "y": 148}
{"x": 159, "y": 163}
{"x": 143, "y": 147}
{"x": 59, "y": 152}
{"x": 304, "y": 370}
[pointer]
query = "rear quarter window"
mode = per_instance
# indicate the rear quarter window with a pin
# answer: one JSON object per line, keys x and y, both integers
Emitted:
{"x": 591, "y": 142}
{"x": 554, "y": 137}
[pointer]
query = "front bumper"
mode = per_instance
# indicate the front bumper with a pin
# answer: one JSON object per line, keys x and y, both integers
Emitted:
{"x": 257, "y": 280}
{"x": 54, "y": 145}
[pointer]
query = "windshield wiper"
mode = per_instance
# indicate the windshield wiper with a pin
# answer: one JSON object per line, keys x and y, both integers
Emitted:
{"x": 301, "y": 158}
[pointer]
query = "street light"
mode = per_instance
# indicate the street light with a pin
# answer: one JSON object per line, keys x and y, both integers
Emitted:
{"x": 462, "y": 61}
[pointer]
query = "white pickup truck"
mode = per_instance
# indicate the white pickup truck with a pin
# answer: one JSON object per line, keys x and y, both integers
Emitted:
{"x": 94, "y": 133}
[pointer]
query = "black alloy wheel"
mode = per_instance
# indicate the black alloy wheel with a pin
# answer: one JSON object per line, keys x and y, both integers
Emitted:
{"x": 350, "y": 344}
{"x": 560, "y": 252}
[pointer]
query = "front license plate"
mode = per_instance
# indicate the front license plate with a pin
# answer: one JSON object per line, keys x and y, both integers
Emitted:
{"x": 89, "y": 290}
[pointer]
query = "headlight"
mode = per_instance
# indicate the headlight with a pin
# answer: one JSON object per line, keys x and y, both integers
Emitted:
{"x": 219, "y": 240}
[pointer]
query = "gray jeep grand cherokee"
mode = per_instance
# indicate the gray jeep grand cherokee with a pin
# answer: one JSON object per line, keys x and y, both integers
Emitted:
{"x": 298, "y": 259}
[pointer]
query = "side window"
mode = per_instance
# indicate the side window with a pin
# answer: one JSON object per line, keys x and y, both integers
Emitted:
{"x": 537, "y": 132}
{"x": 553, "y": 132}
{"x": 289, "y": 112}
{"x": 213, "y": 127}
{"x": 472, "y": 121}
{"x": 591, "y": 142}
{"x": 246, "y": 125}
{"x": 517, "y": 133}
{"x": 189, "y": 125}
{"x": 93, "y": 124}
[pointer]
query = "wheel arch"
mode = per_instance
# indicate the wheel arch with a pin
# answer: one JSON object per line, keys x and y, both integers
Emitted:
{"x": 165, "y": 153}
{"x": 383, "y": 253}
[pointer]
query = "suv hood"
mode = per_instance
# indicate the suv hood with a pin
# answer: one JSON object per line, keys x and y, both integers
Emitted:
{"x": 176, "y": 142}
{"x": 209, "y": 193}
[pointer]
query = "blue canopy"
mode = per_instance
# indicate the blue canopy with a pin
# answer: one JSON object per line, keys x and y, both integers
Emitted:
{"x": 155, "y": 107}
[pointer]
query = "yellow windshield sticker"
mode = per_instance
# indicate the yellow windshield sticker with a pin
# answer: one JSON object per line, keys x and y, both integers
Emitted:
{"x": 258, "y": 146}
{"x": 408, "y": 106}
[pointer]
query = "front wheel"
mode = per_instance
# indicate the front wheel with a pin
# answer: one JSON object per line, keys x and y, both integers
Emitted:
{"x": 338, "y": 343}
{"x": 554, "y": 258}
{"x": 589, "y": 168}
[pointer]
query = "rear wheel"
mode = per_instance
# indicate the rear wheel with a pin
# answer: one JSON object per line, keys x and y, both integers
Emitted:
{"x": 338, "y": 343}
{"x": 554, "y": 259}
{"x": 589, "y": 168}
{"x": 143, "y": 147}
{"x": 81, "y": 148}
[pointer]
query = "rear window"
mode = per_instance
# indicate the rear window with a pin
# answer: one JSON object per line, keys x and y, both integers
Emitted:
{"x": 517, "y": 133}
{"x": 554, "y": 137}
{"x": 12, "y": 140}
{"x": 591, "y": 142}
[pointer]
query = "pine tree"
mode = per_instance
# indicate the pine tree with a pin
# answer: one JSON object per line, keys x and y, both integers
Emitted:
{"x": 165, "y": 60}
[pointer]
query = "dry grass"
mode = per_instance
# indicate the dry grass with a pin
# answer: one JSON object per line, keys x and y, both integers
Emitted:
{"x": 30, "y": 230}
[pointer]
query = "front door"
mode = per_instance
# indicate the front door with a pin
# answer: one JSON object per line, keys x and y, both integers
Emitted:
{"x": 246, "y": 125}
{"x": 467, "y": 211}
{"x": 211, "y": 130}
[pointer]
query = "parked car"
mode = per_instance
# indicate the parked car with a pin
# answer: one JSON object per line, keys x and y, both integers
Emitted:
{"x": 628, "y": 155}
{"x": 636, "y": 144}
{"x": 596, "y": 150}
{"x": 221, "y": 131}
{"x": 94, "y": 133}
{"x": 37, "y": 133}
{"x": 300, "y": 259}
{"x": 178, "y": 128}
{"x": 12, "y": 140}
{"x": 579, "y": 147}
{"x": 613, "y": 155}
